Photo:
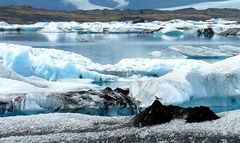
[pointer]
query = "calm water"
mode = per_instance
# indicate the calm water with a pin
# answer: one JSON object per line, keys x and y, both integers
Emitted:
{"x": 110, "y": 48}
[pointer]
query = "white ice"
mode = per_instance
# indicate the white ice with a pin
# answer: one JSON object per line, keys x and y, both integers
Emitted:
{"x": 172, "y": 28}
{"x": 205, "y": 52}
{"x": 47, "y": 64}
{"x": 181, "y": 85}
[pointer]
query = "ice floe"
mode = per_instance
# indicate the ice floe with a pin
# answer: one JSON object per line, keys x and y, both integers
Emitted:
{"x": 54, "y": 64}
{"x": 48, "y": 64}
{"x": 181, "y": 85}
{"x": 4, "y": 24}
{"x": 146, "y": 67}
{"x": 205, "y": 52}
{"x": 172, "y": 28}
{"x": 156, "y": 54}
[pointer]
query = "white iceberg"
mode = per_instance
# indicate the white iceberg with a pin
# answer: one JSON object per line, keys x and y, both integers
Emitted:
{"x": 156, "y": 54}
{"x": 52, "y": 27}
{"x": 145, "y": 67}
{"x": 48, "y": 64}
{"x": 54, "y": 64}
{"x": 4, "y": 24}
{"x": 181, "y": 85}
{"x": 205, "y": 52}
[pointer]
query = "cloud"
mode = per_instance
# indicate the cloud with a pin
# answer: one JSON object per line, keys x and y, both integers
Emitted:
{"x": 85, "y": 4}
{"x": 121, "y": 3}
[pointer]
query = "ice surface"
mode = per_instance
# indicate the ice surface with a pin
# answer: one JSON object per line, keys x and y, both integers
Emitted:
{"x": 52, "y": 27}
{"x": 181, "y": 85}
{"x": 79, "y": 128}
{"x": 171, "y": 31}
{"x": 48, "y": 64}
{"x": 205, "y": 52}
{"x": 146, "y": 67}
{"x": 53, "y": 64}
{"x": 4, "y": 24}
{"x": 172, "y": 28}
{"x": 156, "y": 54}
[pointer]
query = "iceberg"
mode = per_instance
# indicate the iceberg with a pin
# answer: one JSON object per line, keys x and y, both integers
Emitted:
{"x": 205, "y": 52}
{"x": 145, "y": 67}
{"x": 52, "y": 27}
{"x": 48, "y": 64}
{"x": 172, "y": 28}
{"x": 156, "y": 54}
{"x": 218, "y": 79}
{"x": 31, "y": 95}
{"x": 4, "y": 24}
{"x": 54, "y": 64}
{"x": 171, "y": 31}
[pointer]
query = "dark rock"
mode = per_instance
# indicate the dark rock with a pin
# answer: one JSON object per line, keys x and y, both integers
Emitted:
{"x": 159, "y": 114}
{"x": 199, "y": 114}
{"x": 206, "y": 32}
{"x": 138, "y": 21}
{"x": 122, "y": 91}
{"x": 6, "y": 106}
{"x": 149, "y": 31}
{"x": 107, "y": 90}
{"x": 231, "y": 32}
{"x": 18, "y": 29}
{"x": 176, "y": 111}
{"x": 153, "y": 115}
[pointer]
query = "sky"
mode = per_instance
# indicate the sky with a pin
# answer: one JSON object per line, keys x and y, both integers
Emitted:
{"x": 123, "y": 4}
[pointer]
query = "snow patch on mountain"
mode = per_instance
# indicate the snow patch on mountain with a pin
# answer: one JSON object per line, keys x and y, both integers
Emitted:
{"x": 205, "y": 5}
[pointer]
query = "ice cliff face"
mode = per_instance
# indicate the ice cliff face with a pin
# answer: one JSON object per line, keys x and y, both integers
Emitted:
{"x": 181, "y": 85}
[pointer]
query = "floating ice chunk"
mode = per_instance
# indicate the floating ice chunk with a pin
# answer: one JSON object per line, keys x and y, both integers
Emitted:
{"x": 230, "y": 50}
{"x": 71, "y": 26}
{"x": 205, "y": 52}
{"x": 209, "y": 80}
{"x": 49, "y": 65}
{"x": 52, "y": 27}
{"x": 4, "y": 24}
{"x": 172, "y": 28}
{"x": 198, "y": 52}
{"x": 171, "y": 31}
{"x": 156, "y": 54}
{"x": 146, "y": 67}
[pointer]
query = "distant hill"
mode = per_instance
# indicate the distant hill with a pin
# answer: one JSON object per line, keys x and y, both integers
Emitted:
{"x": 111, "y": 4}
{"x": 28, "y": 14}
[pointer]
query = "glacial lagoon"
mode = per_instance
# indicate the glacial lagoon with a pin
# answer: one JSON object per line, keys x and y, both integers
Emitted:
{"x": 107, "y": 48}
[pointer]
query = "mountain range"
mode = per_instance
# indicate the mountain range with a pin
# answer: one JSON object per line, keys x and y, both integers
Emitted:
{"x": 28, "y": 14}
{"x": 123, "y": 4}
